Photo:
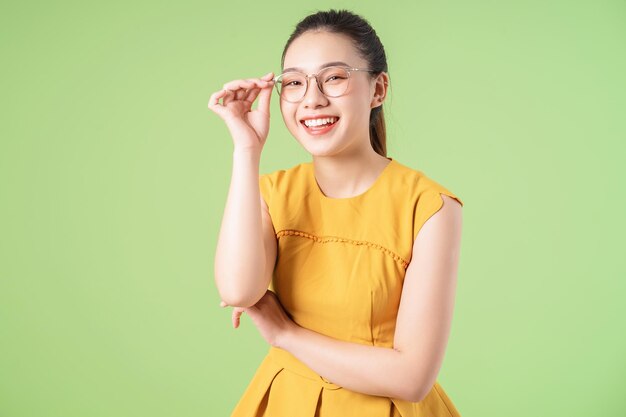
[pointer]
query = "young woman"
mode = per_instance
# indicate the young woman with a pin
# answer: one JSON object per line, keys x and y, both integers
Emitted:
{"x": 360, "y": 252}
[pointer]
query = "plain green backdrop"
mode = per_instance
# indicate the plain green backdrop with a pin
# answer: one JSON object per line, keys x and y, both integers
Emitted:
{"x": 114, "y": 176}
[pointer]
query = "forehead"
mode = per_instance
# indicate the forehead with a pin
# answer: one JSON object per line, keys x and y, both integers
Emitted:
{"x": 311, "y": 50}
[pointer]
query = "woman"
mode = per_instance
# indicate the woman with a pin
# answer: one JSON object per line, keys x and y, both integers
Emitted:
{"x": 361, "y": 307}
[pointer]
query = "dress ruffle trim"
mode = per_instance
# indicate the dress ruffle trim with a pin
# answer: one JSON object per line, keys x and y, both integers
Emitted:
{"x": 330, "y": 239}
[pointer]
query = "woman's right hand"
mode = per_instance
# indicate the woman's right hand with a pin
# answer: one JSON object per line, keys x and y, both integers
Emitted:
{"x": 249, "y": 128}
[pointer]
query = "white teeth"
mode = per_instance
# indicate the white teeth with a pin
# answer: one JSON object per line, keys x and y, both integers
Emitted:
{"x": 319, "y": 122}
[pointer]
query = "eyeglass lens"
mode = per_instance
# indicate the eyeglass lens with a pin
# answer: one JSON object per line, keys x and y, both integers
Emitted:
{"x": 333, "y": 81}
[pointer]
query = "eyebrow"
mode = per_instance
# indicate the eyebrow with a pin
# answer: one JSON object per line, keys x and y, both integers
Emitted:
{"x": 328, "y": 64}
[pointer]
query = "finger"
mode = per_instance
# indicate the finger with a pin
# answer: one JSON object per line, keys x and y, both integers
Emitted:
{"x": 260, "y": 82}
{"x": 264, "y": 101}
{"x": 247, "y": 83}
{"x": 228, "y": 97}
{"x": 252, "y": 95}
{"x": 241, "y": 94}
{"x": 215, "y": 97}
{"x": 214, "y": 103}
{"x": 238, "y": 85}
{"x": 236, "y": 317}
{"x": 215, "y": 106}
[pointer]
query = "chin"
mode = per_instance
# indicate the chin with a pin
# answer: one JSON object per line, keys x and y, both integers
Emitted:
{"x": 319, "y": 146}
{"x": 320, "y": 153}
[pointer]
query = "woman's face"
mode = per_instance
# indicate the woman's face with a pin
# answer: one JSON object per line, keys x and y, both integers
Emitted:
{"x": 350, "y": 134}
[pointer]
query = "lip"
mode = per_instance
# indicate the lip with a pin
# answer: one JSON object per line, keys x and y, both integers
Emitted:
{"x": 319, "y": 131}
{"x": 317, "y": 116}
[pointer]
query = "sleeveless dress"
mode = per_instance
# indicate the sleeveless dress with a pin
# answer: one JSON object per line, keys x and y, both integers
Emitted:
{"x": 339, "y": 271}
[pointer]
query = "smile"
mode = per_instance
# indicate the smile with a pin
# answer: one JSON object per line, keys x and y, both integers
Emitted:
{"x": 320, "y": 122}
{"x": 319, "y": 126}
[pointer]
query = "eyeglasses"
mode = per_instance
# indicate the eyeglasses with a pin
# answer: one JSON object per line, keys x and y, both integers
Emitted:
{"x": 332, "y": 82}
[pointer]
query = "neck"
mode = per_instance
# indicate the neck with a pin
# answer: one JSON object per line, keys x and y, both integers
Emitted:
{"x": 348, "y": 175}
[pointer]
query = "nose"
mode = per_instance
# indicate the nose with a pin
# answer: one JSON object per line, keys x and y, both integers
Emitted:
{"x": 313, "y": 96}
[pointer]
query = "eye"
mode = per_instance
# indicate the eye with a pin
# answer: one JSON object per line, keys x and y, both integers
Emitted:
{"x": 292, "y": 80}
{"x": 335, "y": 79}
{"x": 335, "y": 75}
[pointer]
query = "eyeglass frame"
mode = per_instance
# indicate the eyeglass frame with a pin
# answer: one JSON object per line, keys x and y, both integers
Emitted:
{"x": 317, "y": 81}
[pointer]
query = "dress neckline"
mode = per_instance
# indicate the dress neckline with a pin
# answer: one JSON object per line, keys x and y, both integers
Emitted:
{"x": 376, "y": 184}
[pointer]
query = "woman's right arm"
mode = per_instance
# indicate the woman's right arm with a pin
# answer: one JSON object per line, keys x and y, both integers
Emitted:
{"x": 246, "y": 248}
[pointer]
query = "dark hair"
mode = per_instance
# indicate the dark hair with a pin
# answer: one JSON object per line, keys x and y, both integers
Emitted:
{"x": 368, "y": 46}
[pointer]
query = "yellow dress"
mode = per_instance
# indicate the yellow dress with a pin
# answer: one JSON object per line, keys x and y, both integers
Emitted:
{"x": 339, "y": 271}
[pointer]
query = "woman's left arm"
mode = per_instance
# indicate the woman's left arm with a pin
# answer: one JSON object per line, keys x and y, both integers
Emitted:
{"x": 409, "y": 369}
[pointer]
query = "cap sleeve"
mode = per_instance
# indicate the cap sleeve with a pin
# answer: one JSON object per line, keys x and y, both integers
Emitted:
{"x": 266, "y": 186}
{"x": 429, "y": 202}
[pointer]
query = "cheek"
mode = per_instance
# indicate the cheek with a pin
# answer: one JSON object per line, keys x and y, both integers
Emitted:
{"x": 359, "y": 113}
{"x": 291, "y": 125}
{"x": 289, "y": 116}
{"x": 286, "y": 110}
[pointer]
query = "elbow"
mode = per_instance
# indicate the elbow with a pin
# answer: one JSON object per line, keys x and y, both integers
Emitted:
{"x": 415, "y": 378}
{"x": 410, "y": 393}
{"x": 416, "y": 396}
{"x": 415, "y": 389}
{"x": 232, "y": 292}
{"x": 236, "y": 299}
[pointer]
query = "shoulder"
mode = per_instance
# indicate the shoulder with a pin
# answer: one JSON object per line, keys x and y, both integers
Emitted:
{"x": 281, "y": 180}
{"x": 428, "y": 196}
{"x": 285, "y": 173}
{"x": 418, "y": 185}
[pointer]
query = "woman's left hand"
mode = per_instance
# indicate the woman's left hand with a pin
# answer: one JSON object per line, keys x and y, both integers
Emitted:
{"x": 268, "y": 316}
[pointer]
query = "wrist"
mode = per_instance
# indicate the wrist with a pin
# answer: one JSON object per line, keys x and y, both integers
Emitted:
{"x": 288, "y": 337}
{"x": 247, "y": 150}
{"x": 247, "y": 153}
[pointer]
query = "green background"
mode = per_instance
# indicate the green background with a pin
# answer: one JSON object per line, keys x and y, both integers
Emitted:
{"x": 114, "y": 176}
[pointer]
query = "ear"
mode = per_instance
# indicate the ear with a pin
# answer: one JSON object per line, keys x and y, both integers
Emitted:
{"x": 380, "y": 89}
